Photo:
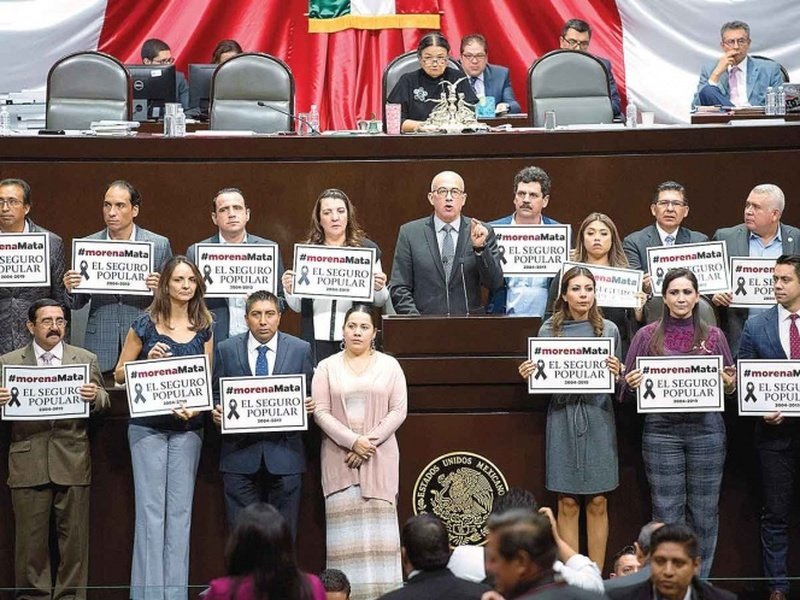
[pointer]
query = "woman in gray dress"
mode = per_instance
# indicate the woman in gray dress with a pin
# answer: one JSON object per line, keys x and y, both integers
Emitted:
{"x": 581, "y": 435}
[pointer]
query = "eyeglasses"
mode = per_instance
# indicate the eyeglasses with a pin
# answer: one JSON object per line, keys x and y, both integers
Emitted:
{"x": 434, "y": 60}
{"x": 672, "y": 203}
{"x": 164, "y": 61}
{"x": 443, "y": 192}
{"x": 576, "y": 43}
{"x": 10, "y": 202}
{"x": 49, "y": 322}
{"x": 736, "y": 42}
{"x": 473, "y": 57}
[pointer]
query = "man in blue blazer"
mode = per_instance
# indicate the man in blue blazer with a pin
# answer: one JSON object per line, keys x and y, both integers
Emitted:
{"x": 265, "y": 467}
{"x": 487, "y": 80}
{"x": 525, "y": 295}
{"x": 229, "y": 212}
{"x": 769, "y": 335}
{"x": 111, "y": 315}
{"x": 736, "y": 79}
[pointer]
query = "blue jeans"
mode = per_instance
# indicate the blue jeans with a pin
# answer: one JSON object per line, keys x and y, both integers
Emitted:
{"x": 684, "y": 455}
{"x": 164, "y": 470}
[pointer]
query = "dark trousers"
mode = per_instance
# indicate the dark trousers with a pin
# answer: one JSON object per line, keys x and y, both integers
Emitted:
{"x": 282, "y": 491}
{"x": 777, "y": 454}
{"x": 711, "y": 95}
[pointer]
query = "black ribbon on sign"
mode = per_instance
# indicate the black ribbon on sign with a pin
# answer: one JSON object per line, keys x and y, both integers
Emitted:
{"x": 84, "y": 269}
{"x": 750, "y": 397}
{"x": 207, "y": 274}
{"x": 648, "y": 389}
{"x": 232, "y": 404}
{"x": 304, "y": 276}
{"x": 15, "y": 398}
{"x": 740, "y": 291}
{"x": 501, "y": 250}
{"x": 139, "y": 396}
{"x": 540, "y": 370}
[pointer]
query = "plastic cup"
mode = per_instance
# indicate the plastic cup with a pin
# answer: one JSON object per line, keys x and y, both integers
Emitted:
{"x": 392, "y": 112}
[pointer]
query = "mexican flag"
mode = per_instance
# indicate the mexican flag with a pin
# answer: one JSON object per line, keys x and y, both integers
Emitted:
{"x": 328, "y": 16}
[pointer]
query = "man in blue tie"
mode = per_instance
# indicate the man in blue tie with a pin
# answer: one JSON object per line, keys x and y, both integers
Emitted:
{"x": 487, "y": 79}
{"x": 264, "y": 467}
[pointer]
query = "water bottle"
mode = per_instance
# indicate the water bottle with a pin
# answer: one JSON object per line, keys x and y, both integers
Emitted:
{"x": 769, "y": 102}
{"x": 5, "y": 121}
{"x": 780, "y": 101}
{"x": 180, "y": 123}
{"x": 631, "y": 115}
{"x": 313, "y": 118}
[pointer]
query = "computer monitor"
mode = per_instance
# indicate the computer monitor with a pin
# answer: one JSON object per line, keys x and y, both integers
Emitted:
{"x": 153, "y": 85}
{"x": 200, "y": 87}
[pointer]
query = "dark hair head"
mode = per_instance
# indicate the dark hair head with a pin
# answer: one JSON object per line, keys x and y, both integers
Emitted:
{"x": 425, "y": 540}
{"x": 227, "y": 190}
{"x": 646, "y": 535}
{"x": 561, "y": 310}
{"x": 334, "y": 580}
{"x": 626, "y": 551}
{"x": 41, "y": 303}
{"x": 261, "y": 296}
{"x": 353, "y": 234}
{"x": 700, "y": 328}
{"x": 434, "y": 38}
{"x": 160, "y": 309}
{"x": 670, "y": 186}
{"x": 790, "y": 259}
{"x": 223, "y": 47}
{"x": 361, "y": 308}
{"x": 616, "y": 255}
{"x": 133, "y": 193}
{"x": 153, "y": 47}
{"x": 21, "y": 183}
{"x": 261, "y": 546}
{"x": 476, "y": 38}
{"x": 674, "y": 274}
{"x": 578, "y": 25}
{"x": 521, "y": 530}
{"x": 676, "y": 533}
{"x": 533, "y": 175}
{"x": 734, "y": 25}
{"x": 515, "y": 498}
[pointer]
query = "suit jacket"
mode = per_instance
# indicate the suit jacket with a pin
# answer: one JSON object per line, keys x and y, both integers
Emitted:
{"x": 616, "y": 101}
{"x": 497, "y": 83}
{"x": 761, "y": 74}
{"x": 418, "y": 284}
{"x": 737, "y": 239}
{"x": 14, "y": 301}
{"x": 56, "y": 451}
{"x": 219, "y": 306}
{"x": 283, "y": 453}
{"x": 701, "y": 590}
{"x": 441, "y": 583}
{"x": 636, "y": 244}
{"x": 111, "y": 315}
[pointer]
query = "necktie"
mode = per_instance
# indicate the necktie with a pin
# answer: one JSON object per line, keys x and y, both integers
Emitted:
{"x": 794, "y": 339}
{"x": 448, "y": 251}
{"x": 47, "y": 357}
{"x": 733, "y": 84}
{"x": 262, "y": 368}
{"x": 669, "y": 240}
{"x": 477, "y": 85}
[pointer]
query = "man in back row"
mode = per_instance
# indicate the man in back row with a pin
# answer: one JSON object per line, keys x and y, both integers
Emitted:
{"x": 486, "y": 79}
{"x": 157, "y": 52}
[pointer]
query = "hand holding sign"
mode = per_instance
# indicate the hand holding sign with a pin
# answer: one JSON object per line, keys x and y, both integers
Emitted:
{"x": 71, "y": 280}
{"x": 159, "y": 350}
{"x": 722, "y": 299}
{"x": 5, "y": 395}
{"x": 287, "y": 279}
{"x": 88, "y": 392}
{"x": 478, "y": 233}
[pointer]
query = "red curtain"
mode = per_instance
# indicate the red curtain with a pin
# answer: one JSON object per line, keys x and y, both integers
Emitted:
{"x": 341, "y": 72}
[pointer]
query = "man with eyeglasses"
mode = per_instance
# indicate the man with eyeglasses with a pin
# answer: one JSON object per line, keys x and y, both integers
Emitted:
{"x": 736, "y": 79}
{"x": 487, "y": 80}
{"x": 49, "y": 467}
{"x": 15, "y": 204}
{"x": 157, "y": 52}
{"x": 441, "y": 261}
{"x": 670, "y": 207}
{"x": 577, "y": 35}
{"x": 525, "y": 295}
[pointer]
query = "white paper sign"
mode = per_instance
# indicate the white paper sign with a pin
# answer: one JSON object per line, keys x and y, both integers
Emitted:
{"x": 708, "y": 261}
{"x": 231, "y": 270}
{"x": 331, "y": 272}
{"x": 613, "y": 287}
{"x": 156, "y": 387}
{"x": 528, "y": 250}
{"x": 112, "y": 267}
{"x": 263, "y": 404}
{"x": 680, "y": 384}
{"x": 570, "y": 365}
{"x": 45, "y": 393}
{"x": 768, "y": 386}
{"x": 24, "y": 260}
{"x": 751, "y": 281}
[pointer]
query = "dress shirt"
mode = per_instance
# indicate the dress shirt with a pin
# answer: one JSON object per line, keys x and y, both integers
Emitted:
{"x": 438, "y": 225}
{"x": 740, "y": 98}
{"x": 784, "y": 322}
{"x": 252, "y": 352}
{"x": 663, "y": 235}
{"x": 58, "y": 353}
{"x": 478, "y": 85}
{"x": 527, "y": 296}
{"x": 772, "y": 250}
{"x": 237, "y": 305}
{"x": 25, "y": 227}
{"x": 131, "y": 238}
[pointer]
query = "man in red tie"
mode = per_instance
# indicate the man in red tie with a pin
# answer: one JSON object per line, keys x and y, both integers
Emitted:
{"x": 775, "y": 334}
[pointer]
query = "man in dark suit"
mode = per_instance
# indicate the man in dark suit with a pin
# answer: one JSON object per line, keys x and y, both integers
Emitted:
{"x": 262, "y": 467}
{"x": 111, "y": 315}
{"x": 674, "y": 565}
{"x": 229, "y": 212}
{"x": 425, "y": 551}
{"x": 487, "y": 80}
{"x": 577, "y": 35}
{"x": 620, "y": 585}
{"x": 670, "y": 207}
{"x": 49, "y": 468}
{"x": 775, "y": 335}
{"x": 158, "y": 52}
{"x": 441, "y": 261}
{"x": 736, "y": 79}
{"x": 761, "y": 234}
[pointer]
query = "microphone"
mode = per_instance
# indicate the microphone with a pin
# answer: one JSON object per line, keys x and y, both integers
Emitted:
{"x": 445, "y": 261}
{"x": 314, "y": 130}
{"x": 464, "y": 286}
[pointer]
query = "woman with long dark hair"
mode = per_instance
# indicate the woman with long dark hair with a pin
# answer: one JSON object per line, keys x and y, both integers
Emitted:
{"x": 261, "y": 561}
{"x": 684, "y": 453}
